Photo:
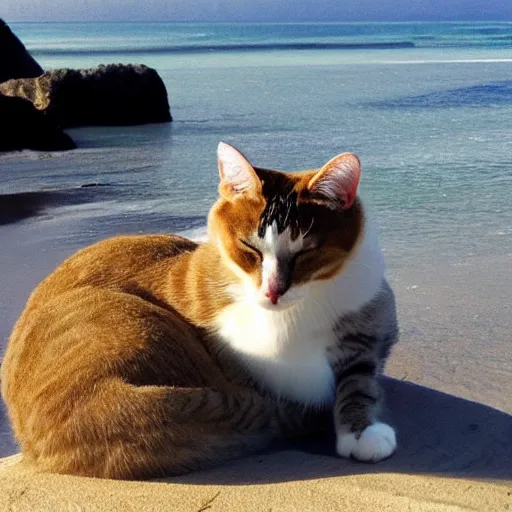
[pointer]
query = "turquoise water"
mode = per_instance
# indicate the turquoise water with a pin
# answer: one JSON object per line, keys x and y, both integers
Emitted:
{"x": 428, "y": 108}
{"x": 69, "y": 38}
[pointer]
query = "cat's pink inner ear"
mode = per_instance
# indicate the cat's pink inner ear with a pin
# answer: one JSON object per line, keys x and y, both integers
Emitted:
{"x": 337, "y": 180}
{"x": 236, "y": 173}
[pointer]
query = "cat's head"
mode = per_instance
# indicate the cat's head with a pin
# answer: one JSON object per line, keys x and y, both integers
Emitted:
{"x": 278, "y": 231}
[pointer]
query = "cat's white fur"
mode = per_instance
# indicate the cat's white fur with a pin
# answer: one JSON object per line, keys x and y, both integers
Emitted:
{"x": 376, "y": 442}
{"x": 284, "y": 342}
{"x": 284, "y": 346}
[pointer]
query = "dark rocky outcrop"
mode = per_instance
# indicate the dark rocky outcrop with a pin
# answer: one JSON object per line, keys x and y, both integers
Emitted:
{"x": 109, "y": 95}
{"x": 15, "y": 61}
{"x": 35, "y": 105}
{"x": 22, "y": 126}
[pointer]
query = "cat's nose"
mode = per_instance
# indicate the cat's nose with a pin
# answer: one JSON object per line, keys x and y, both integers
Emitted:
{"x": 273, "y": 296}
{"x": 276, "y": 285}
{"x": 276, "y": 290}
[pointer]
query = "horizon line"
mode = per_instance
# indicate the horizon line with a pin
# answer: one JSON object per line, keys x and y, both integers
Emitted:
{"x": 246, "y": 22}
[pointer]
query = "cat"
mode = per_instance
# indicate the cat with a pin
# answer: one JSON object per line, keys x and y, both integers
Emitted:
{"x": 151, "y": 355}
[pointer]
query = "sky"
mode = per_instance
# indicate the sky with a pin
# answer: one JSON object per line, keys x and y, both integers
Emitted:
{"x": 255, "y": 10}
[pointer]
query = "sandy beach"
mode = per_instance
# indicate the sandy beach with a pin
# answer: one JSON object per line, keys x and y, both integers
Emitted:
{"x": 454, "y": 455}
{"x": 450, "y": 399}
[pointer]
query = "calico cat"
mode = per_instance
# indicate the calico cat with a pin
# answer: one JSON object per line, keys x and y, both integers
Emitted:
{"x": 152, "y": 355}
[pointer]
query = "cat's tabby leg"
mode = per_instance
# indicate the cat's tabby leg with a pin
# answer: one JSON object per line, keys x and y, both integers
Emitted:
{"x": 359, "y": 434}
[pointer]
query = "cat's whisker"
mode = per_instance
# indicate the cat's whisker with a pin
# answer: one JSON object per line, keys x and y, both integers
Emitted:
{"x": 304, "y": 235}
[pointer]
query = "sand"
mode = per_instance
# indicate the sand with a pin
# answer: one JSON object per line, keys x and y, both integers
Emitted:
{"x": 455, "y": 446}
{"x": 453, "y": 455}
{"x": 383, "y": 492}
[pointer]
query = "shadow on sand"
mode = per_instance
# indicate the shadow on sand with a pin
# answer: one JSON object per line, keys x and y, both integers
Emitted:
{"x": 22, "y": 205}
{"x": 438, "y": 434}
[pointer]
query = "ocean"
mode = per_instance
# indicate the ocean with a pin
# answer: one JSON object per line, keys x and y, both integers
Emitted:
{"x": 426, "y": 106}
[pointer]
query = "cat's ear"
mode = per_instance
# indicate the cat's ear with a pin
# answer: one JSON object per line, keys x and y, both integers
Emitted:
{"x": 237, "y": 175}
{"x": 337, "y": 181}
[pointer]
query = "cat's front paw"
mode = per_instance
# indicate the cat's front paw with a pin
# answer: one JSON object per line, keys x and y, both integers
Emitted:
{"x": 375, "y": 442}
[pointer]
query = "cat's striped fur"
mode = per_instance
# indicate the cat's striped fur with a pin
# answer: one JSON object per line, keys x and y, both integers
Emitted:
{"x": 142, "y": 356}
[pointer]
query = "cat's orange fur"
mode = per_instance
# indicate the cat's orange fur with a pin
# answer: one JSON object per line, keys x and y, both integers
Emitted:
{"x": 116, "y": 368}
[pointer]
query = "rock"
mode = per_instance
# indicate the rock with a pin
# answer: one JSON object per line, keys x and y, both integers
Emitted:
{"x": 15, "y": 61}
{"x": 110, "y": 95}
{"x": 22, "y": 126}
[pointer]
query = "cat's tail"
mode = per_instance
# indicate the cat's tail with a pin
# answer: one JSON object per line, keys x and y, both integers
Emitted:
{"x": 126, "y": 432}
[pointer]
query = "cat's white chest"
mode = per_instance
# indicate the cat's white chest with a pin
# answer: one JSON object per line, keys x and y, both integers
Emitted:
{"x": 285, "y": 353}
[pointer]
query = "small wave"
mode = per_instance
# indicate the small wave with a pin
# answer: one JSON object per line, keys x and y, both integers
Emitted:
{"x": 482, "y": 95}
{"x": 443, "y": 61}
{"x": 501, "y": 38}
{"x": 250, "y": 47}
{"x": 22, "y": 205}
{"x": 485, "y": 31}
{"x": 111, "y": 218}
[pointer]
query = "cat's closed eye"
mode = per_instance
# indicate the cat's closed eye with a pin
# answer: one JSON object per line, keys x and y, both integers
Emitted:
{"x": 304, "y": 252}
{"x": 252, "y": 249}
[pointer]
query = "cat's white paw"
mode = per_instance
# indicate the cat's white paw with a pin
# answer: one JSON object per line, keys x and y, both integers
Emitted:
{"x": 376, "y": 442}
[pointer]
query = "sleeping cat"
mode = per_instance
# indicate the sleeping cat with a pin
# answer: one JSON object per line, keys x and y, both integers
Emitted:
{"x": 152, "y": 355}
